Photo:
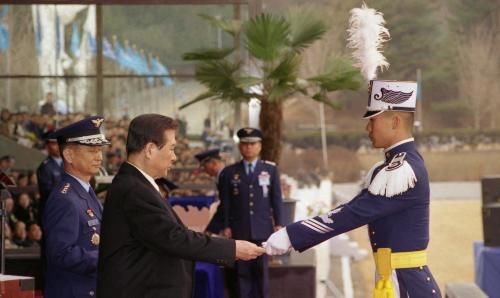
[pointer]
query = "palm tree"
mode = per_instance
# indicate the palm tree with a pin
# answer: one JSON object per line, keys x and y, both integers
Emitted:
{"x": 274, "y": 46}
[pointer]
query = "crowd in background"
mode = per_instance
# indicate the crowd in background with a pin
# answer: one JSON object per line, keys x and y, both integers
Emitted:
{"x": 22, "y": 223}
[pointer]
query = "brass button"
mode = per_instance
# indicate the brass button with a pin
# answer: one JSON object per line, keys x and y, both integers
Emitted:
{"x": 251, "y": 212}
{"x": 91, "y": 293}
{"x": 373, "y": 232}
{"x": 433, "y": 291}
{"x": 251, "y": 186}
{"x": 374, "y": 244}
{"x": 421, "y": 268}
{"x": 251, "y": 203}
{"x": 251, "y": 195}
{"x": 428, "y": 279}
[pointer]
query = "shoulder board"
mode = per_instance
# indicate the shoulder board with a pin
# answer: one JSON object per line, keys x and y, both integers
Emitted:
{"x": 269, "y": 162}
{"x": 65, "y": 188}
{"x": 395, "y": 178}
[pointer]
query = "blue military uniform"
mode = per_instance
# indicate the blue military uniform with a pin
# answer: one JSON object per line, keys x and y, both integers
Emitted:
{"x": 216, "y": 224}
{"x": 395, "y": 204}
{"x": 252, "y": 207}
{"x": 72, "y": 222}
{"x": 49, "y": 173}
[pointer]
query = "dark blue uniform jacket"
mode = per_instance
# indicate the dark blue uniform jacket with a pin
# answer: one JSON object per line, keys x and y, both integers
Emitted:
{"x": 72, "y": 216}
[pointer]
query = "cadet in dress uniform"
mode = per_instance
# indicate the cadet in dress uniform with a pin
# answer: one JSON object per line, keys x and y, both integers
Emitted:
{"x": 72, "y": 216}
{"x": 251, "y": 192}
{"x": 394, "y": 201}
{"x": 50, "y": 171}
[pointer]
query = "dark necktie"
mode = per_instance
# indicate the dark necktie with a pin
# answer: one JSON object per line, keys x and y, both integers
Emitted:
{"x": 250, "y": 169}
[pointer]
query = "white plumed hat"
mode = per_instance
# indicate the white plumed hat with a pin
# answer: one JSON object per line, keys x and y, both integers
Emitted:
{"x": 390, "y": 96}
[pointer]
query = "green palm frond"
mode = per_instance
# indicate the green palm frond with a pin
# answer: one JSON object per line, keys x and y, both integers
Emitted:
{"x": 198, "y": 98}
{"x": 321, "y": 97}
{"x": 339, "y": 74}
{"x": 305, "y": 29}
{"x": 207, "y": 54}
{"x": 246, "y": 82}
{"x": 280, "y": 91}
{"x": 266, "y": 36}
{"x": 231, "y": 27}
{"x": 287, "y": 69}
{"x": 216, "y": 75}
{"x": 221, "y": 78}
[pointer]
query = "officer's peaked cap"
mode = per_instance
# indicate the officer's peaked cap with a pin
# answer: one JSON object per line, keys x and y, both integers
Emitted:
{"x": 208, "y": 154}
{"x": 84, "y": 132}
{"x": 249, "y": 135}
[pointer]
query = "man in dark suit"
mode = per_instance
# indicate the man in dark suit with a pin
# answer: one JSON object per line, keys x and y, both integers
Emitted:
{"x": 145, "y": 250}
{"x": 251, "y": 192}
{"x": 72, "y": 215}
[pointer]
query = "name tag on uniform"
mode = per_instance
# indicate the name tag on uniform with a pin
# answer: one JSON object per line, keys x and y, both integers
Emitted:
{"x": 93, "y": 222}
{"x": 264, "y": 179}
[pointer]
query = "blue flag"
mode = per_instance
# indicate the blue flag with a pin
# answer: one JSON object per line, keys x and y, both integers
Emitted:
{"x": 58, "y": 37}
{"x": 107, "y": 49}
{"x": 38, "y": 33}
{"x": 120, "y": 54}
{"x": 75, "y": 40}
{"x": 91, "y": 41}
{"x": 160, "y": 69}
{"x": 4, "y": 38}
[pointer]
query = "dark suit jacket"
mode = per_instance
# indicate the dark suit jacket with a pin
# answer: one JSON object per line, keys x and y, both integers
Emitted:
{"x": 145, "y": 250}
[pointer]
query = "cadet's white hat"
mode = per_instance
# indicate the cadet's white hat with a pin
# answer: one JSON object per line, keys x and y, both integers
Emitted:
{"x": 390, "y": 96}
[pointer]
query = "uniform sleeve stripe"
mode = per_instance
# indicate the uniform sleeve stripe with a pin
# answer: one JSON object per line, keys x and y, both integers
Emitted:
{"x": 317, "y": 223}
{"x": 307, "y": 224}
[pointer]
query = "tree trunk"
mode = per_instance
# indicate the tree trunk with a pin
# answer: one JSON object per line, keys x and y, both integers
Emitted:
{"x": 271, "y": 116}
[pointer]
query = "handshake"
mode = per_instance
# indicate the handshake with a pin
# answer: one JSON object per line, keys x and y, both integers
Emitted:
{"x": 277, "y": 244}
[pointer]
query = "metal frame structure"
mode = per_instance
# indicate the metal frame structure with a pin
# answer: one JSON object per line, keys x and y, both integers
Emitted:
{"x": 254, "y": 7}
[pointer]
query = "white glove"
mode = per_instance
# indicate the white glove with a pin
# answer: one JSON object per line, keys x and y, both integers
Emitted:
{"x": 278, "y": 243}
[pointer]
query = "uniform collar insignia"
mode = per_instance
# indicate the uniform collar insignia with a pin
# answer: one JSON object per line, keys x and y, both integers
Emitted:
{"x": 65, "y": 188}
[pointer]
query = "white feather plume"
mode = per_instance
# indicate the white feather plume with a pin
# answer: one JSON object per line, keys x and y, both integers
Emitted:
{"x": 366, "y": 35}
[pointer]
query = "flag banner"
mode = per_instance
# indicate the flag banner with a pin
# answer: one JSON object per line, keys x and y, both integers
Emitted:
{"x": 75, "y": 40}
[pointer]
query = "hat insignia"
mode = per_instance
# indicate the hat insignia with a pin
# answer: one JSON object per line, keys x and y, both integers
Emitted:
{"x": 392, "y": 97}
{"x": 98, "y": 122}
{"x": 248, "y": 130}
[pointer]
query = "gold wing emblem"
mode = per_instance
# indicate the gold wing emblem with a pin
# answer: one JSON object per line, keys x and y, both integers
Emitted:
{"x": 248, "y": 130}
{"x": 98, "y": 122}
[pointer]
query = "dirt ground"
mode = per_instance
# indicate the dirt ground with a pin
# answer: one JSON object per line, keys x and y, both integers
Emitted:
{"x": 454, "y": 226}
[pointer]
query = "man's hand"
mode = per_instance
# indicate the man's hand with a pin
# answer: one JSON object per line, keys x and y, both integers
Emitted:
{"x": 227, "y": 233}
{"x": 247, "y": 251}
{"x": 278, "y": 243}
